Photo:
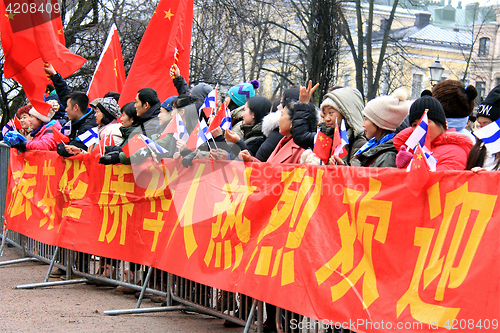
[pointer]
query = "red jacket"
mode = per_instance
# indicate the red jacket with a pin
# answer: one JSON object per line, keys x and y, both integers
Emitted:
{"x": 44, "y": 139}
{"x": 287, "y": 151}
{"x": 450, "y": 148}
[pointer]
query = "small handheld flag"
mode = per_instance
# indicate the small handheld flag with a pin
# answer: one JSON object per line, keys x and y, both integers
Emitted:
{"x": 323, "y": 147}
{"x": 490, "y": 135}
{"x": 89, "y": 137}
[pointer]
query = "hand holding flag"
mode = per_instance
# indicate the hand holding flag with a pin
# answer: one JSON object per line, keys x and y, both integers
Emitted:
{"x": 323, "y": 147}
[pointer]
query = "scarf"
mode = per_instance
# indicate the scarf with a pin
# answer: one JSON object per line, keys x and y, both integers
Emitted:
{"x": 373, "y": 143}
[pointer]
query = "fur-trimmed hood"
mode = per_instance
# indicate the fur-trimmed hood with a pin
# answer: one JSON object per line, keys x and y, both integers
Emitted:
{"x": 270, "y": 122}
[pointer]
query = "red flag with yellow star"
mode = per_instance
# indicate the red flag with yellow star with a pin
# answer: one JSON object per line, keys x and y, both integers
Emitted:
{"x": 418, "y": 173}
{"x": 29, "y": 39}
{"x": 323, "y": 147}
{"x": 109, "y": 74}
{"x": 167, "y": 40}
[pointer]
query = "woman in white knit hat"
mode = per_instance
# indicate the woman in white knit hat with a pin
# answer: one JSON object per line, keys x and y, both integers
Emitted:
{"x": 382, "y": 116}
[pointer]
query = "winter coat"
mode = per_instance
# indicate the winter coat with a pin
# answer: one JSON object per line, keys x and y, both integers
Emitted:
{"x": 450, "y": 148}
{"x": 146, "y": 125}
{"x": 62, "y": 89}
{"x": 113, "y": 129}
{"x": 43, "y": 139}
{"x": 181, "y": 86}
{"x": 381, "y": 156}
{"x": 287, "y": 151}
{"x": 270, "y": 129}
{"x": 304, "y": 137}
{"x": 77, "y": 128}
{"x": 252, "y": 139}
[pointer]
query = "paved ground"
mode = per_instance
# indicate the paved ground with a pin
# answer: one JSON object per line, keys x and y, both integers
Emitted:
{"x": 78, "y": 308}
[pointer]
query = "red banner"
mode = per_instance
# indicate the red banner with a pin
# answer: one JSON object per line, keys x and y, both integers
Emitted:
{"x": 345, "y": 245}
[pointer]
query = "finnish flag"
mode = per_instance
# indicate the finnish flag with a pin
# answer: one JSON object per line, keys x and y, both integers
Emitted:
{"x": 89, "y": 137}
{"x": 490, "y": 135}
{"x": 153, "y": 145}
{"x": 66, "y": 129}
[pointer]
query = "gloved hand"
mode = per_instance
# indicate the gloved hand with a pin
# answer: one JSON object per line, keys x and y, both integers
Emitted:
{"x": 110, "y": 158}
{"x": 13, "y": 137}
{"x": 109, "y": 149}
{"x": 21, "y": 146}
{"x": 403, "y": 158}
{"x": 187, "y": 160}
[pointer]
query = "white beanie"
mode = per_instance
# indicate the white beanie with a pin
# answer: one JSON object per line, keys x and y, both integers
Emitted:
{"x": 388, "y": 112}
{"x": 40, "y": 116}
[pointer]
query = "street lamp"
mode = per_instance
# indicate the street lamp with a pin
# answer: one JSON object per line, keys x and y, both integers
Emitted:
{"x": 436, "y": 71}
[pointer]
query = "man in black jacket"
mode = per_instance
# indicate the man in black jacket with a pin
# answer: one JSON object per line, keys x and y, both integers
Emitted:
{"x": 82, "y": 119}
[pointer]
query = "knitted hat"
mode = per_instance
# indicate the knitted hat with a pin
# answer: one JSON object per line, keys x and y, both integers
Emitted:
{"x": 94, "y": 102}
{"x": 201, "y": 90}
{"x": 108, "y": 105}
{"x": 240, "y": 93}
{"x": 52, "y": 97}
{"x": 387, "y": 112}
{"x": 490, "y": 107}
{"x": 456, "y": 99}
{"x": 427, "y": 102}
{"x": 167, "y": 104}
{"x": 40, "y": 116}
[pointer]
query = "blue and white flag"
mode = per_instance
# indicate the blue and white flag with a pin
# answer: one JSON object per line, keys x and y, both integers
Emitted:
{"x": 153, "y": 145}
{"x": 490, "y": 135}
{"x": 419, "y": 133}
{"x": 340, "y": 149}
{"x": 202, "y": 133}
{"x": 89, "y": 137}
{"x": 66, "y": 129}
{"x": 182, "y": 133}
{"x": 8, "y": 127}
{"x": 226, "y": 122}
{"x": 210, "y": 104}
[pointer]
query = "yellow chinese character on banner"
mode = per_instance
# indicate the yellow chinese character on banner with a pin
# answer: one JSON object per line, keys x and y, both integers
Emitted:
{"x": 48, "y": 201}
{"x": 22, "y": 193}
{"x": 233, "y": 204}
{"x": 297, "y": 207}
{"x": 353, "y": 227}
{"x": 162, "y": 194}
{"x": 442, "y": 259}
{"x": 119, "y": 205}
{"x": 71, "y": 191}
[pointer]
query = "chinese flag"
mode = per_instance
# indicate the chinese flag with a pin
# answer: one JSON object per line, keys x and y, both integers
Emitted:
{"x": 168, "y": 33}
{"x": 133, "y": 146}
{"x": 109, "y": 74}
{"x": 336, "y": 136}
{"x": 58, "y": 136}
{"x": 219, "y": 117}
{"x": 418, "y": 175}
{"x": 171, "y": 128}
{"x": 193, "y": 138}
{"x": 323, "y": 147}
{"x": 29, "y": 40}
{"x": 17, "y": 123}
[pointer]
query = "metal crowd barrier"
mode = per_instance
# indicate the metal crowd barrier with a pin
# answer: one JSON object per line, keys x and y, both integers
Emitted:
{"x": 180, "y": 293}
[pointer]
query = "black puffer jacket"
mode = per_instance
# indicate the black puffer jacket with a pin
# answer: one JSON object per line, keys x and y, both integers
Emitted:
{"x": 77, "y": 128}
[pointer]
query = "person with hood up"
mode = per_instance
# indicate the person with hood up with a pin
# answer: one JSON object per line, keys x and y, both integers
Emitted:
{"x": 340, "y": 103}
{"x": 480, "y": 159}
{"x": 382, "y": 116}
{"x": 446, "y": 145}
{"x": 458, "y": 102}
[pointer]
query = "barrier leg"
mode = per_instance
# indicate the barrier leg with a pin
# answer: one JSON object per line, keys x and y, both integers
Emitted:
{"x": 250, "y": 316}
{"x": 50, "y": 284}
{"x": 17, "y": 261}
{"x": 4, "y": 233}
{"x": 144, "y": 286}
{"x": 56, "y": 251}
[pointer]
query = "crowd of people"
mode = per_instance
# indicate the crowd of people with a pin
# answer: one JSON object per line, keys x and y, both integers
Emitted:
{"x": 285, "y": 131}
{"x": 281, "y": 132}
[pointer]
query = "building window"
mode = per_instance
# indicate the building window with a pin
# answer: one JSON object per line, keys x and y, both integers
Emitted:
{"x": 417, "y": 84}
{"x": 484, "y": 47}
{"x": 346, "y": 79}
{"x": 481, "y": 91}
